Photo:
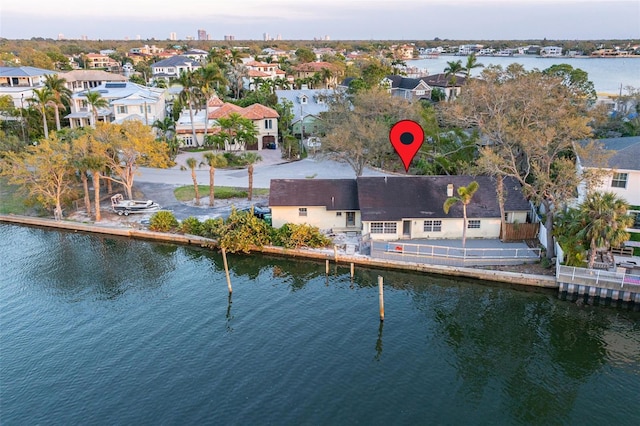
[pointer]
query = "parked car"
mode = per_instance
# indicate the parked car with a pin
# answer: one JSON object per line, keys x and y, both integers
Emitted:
{"x": 261, "y": 212}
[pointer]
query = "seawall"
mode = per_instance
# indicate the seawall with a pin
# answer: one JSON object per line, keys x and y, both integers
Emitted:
{"x": 323, "y": 255}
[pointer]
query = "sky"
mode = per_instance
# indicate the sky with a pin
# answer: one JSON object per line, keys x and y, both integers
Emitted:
{"x": 337, "y": 19}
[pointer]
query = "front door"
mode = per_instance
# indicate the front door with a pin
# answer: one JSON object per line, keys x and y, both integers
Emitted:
{"x": 406, "y": 229}
{"x": 351, "y": 219}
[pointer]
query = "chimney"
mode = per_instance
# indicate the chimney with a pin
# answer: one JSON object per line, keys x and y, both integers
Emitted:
{"x": 450, "y": 190}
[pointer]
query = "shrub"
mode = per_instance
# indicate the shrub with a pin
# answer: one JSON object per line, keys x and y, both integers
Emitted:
{"x": 212, "y": 228}
{"x": 295, "y": 236}
{"x": 163, "y": 221}
{"x": 191, "y": 225}
{"x": 242, "y": 230}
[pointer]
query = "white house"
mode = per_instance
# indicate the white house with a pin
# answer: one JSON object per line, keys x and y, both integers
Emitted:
{"x": 172, "y": 67}
{"x": 396, "y": 207}
{"x": 623, "y": 177}
{"x": 551, "y": 51}
{"x": 127, "y": 101}
{"x": 19, "y": 82}
{"x": 79, "y": 80}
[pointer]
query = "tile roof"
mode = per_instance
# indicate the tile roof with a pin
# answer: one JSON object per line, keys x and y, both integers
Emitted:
{"x": 24, "y": 72}
{"x": 91, "y": 75}
{"x": 334, "y": 194}
{"x": 252, "y": 112}
{"x": 314, "y": 66}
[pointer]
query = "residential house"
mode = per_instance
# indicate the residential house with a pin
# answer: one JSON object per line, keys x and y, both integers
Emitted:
{"x": 550, "y": 51}
{"x": 19, "y": 83}
{"x": 623, "y": 172}
{"x": 329, "y": 72}
{"x": 100, "y": 61}
{"x": 450, "y": 85}
{"x": 404, "y": 52}
{"x": 171, "y": 68}
{"x": 127, "y": 101}
{"x": 329, "y": 204}
{"x": 257, "y": 71}
{"x": 264, "y": 118}
{"x": 79, "y": 80}
{"x": 307, "y": 105}
{"x": 197, "y": 55}
{"x": 399, "y": 207}
{"x": 468, "y": 49}
{"x": 411, "y": 89}
{"x": 396, "y": 207}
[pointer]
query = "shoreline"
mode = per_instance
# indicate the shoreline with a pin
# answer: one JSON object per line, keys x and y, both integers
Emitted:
{"x": 515, "y": 278}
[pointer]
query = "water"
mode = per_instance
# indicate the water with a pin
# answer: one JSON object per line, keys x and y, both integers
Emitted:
{"x": 101, "y": 330}
{"x": 607, "y": 74}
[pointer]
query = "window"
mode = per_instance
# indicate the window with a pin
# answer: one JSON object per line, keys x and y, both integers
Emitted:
{"x": 122, "y": 109}
{"x": 338, "y": 213}
{"x": 268, "y": 124}
{"x": 432, "y": 226}
{"x": 383, "y": 227}
{"x": 302, "y": 211}
{"x": 619, "y": 180}
{"x": 473, "y": 224}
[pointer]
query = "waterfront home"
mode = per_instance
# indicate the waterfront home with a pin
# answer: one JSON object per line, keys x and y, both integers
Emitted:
{"x": 127, "y": 101}
{"x": 19, "y": 82}
{"x": 329, "y": 204}
{"x": 623, "y": 171}
{"x": 389, "y": 208}
{"x": 551, "y": 51}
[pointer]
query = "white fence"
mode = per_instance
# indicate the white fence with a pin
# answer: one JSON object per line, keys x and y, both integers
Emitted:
{"x": 597, "y": 278}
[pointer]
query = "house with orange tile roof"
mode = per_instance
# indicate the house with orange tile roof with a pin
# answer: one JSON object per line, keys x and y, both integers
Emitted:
{"x": 264, "y": 118}
{"x": 257, "y": 71}
{"x": 328, "y": 72}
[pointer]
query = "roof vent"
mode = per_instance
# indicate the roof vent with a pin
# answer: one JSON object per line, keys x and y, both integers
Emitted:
{"x": 450, "y": 190}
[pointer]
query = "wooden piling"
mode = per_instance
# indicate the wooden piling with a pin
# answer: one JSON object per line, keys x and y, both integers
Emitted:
{"x": 226, "y": 269}
{"x": 326, "y": 268}
{"x": 381, "y": 296}
{"x": 351, "y": 270}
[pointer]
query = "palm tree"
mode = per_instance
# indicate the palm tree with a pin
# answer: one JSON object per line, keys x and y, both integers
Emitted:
{"x": 43, "y": 97}
{"x": 95, "y": 101}
{"x": 167, "y": 127}
{"x": 192, "y": 163}
{"x": 188, "y": 95}
{"x": 472, "y": 62}
{"x": 606, "y": 222}
{"x": 213, "y": 161}
{"x": 251, "y": 158}
{"x": 206, "y": 78}
{"x": 465, "y": 194}
{"x": 57, "y": 87}
{"x": 452, "y": 70}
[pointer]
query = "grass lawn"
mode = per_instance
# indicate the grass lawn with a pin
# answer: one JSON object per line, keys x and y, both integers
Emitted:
{"x": 186, "y": 193}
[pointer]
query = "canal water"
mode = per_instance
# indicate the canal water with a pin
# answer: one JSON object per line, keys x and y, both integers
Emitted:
{"x": 101, "y": 330}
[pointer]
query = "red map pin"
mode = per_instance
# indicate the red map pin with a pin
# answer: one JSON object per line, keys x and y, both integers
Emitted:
{"x": 406, "y": 136}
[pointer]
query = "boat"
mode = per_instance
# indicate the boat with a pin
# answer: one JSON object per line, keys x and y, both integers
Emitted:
{"x": 126, "y": 207}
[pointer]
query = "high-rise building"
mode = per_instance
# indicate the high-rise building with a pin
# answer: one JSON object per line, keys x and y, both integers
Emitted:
{"x": 266, "y": 36}
{"x": 84, "y": 37}
{"x": 173, "y": 36}
{"x": 138, "y": 37}
{"x": 60, "y": 36}
{"x": 202, "y": 34}
{"x": 229, "y": 38}
{"x": 279, "y": 37}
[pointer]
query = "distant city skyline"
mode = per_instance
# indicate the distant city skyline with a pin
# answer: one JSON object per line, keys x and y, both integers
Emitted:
{"x": 337, "y": 20}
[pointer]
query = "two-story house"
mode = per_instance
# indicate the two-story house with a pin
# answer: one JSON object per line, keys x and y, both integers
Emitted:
{"x": 411, "y": 89}
{"x": 307, "y": 105}
{"x": 171, "y": 68}
{"x": 79, "y": 80}
{"x": 127, "y": 101}
{"x": 257, "y": 71}
{"x": 329, "y": 73}
{"x": 19, "y": 82}
{"x": 100, "y": 61}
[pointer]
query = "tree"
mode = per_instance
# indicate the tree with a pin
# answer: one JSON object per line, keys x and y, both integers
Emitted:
{"x": 576, "y": 80}
{"x": 213, "y": 161}
{"x": 188, "y": 96}
{"x": 305, "y": 55}
{"x": 236, "y": 130}
{"x": 529, "y": 123}
{"x": 57, "y": 87}
{"x": 465, "y": 194}
{"x": 192, "y": 163}
{"x": 42, "y": 98}
{"x": 251, "y": 158}
{"x": 605, "y": 222}
{"x": 44, "y": 171}
{"x": 452, "y": 70}
{"x": 126, "y": 147}
{"x": 95, "y": 101}
{"x": 208, "y": 79}
{"x": 357, "y": 127}
{"x": 472, "y": 62}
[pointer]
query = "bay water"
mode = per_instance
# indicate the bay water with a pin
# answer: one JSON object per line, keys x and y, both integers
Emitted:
{"x": 609, "y": 75}
{"x": 104, "y": 330}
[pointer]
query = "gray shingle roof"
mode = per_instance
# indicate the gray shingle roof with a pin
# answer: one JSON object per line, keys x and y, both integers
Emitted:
{"x": 334, "y": 194}
{"x": 626, "y": 152}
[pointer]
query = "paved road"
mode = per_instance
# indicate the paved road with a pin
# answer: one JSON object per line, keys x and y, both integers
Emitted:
{"x": 158, "y": 184}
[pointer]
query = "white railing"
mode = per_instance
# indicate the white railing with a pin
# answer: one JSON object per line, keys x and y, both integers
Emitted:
{"x": 596, "y": 277}
{"x": 458, "y": 253}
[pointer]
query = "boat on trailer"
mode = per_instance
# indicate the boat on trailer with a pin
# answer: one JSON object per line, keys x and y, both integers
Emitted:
{"x": 126, "y": 207}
